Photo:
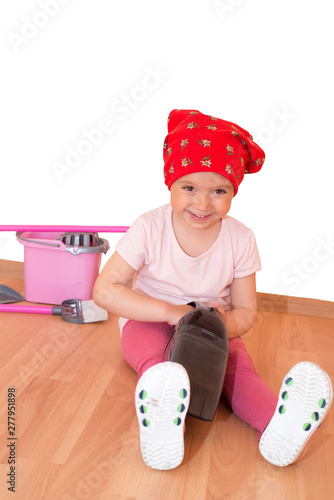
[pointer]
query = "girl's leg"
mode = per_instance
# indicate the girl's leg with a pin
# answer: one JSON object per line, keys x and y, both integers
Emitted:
{"x": 284, "y": 424}
{"x": 248, "y": 395}
{"x": 304, "y": 400}
{"x": 162, "y": 393}
{"x": 144, "y": 343}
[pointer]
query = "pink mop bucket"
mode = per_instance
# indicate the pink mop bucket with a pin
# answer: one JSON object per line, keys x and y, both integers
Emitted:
{"x": 60, "y": 266}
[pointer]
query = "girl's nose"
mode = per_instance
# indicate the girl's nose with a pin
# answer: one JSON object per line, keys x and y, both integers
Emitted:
{"x": 203, "y": 202}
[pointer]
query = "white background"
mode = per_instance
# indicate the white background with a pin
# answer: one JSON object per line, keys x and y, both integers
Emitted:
{"x": 71, "y": 66}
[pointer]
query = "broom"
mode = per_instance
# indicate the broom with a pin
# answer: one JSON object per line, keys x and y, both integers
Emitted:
{"x": 72, "y": 310}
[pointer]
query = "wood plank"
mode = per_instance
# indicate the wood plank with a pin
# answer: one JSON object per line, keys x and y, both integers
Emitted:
{"x": 295, "y": 305}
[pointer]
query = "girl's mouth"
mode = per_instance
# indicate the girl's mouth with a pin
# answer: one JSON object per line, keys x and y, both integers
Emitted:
{"x": 199, "y": 217}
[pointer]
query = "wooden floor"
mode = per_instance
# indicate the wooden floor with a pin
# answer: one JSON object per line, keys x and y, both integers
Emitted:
{"x": 76, "y": 430}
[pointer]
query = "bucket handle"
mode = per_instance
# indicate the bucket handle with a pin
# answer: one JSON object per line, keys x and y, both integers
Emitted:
{"x": 38, "y": 242}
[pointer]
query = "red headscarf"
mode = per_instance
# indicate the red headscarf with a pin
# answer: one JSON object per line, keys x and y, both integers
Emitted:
{"x": 203, "y": 143}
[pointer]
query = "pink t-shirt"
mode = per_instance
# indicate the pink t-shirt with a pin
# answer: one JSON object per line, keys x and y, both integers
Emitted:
{"x": 166, "y": 272}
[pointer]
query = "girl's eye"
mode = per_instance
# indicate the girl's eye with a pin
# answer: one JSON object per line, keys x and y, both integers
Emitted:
{"x": 219, "y": 191}
{"x": 189, "y": 188}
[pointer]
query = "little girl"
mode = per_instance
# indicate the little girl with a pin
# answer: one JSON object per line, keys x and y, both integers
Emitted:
{"x": 191, "y": 250}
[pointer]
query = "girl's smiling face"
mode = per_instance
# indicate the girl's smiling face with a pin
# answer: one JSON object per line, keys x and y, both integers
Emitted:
{"x": 200, "y": 200}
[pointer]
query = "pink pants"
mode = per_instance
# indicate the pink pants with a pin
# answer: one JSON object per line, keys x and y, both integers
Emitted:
{"x": 144, "y": 344}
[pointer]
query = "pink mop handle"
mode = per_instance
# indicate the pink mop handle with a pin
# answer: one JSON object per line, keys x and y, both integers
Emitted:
{"x": 25, "y": 309}
{"x": 67, "y": 229}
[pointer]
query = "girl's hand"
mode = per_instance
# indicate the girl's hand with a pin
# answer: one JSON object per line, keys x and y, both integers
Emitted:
{"x": 177, "y": 312}
{"x": 221, "y": 311}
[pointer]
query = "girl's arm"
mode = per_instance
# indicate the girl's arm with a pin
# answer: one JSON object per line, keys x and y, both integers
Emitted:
{"x": 111, "y": 292}
{"x": 243, "y": 312}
